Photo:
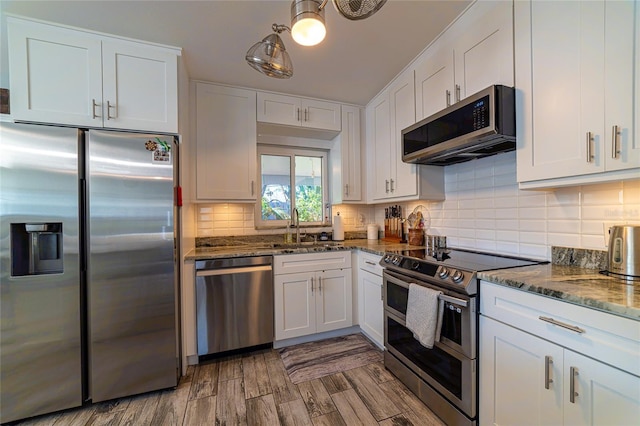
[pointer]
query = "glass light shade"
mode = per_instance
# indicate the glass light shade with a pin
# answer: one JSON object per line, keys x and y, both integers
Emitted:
{"x": 270, "y": 57}
{"x": 307, "y": 22}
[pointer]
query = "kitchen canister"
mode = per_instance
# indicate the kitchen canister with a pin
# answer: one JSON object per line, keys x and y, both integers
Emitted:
{"x": 372, "y": 231}
{"x": 338, "y": 228}
{"x": 416, "y": 237}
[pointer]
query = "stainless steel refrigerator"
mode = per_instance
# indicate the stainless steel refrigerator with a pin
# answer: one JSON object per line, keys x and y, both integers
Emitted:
{"x": 87, "y": 267}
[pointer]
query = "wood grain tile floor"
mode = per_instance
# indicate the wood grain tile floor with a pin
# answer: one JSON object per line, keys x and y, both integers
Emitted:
{"x": 254, "y": 389}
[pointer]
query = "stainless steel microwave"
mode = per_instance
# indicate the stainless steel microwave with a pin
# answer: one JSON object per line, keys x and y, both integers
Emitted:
{"x": 478, "y": 126}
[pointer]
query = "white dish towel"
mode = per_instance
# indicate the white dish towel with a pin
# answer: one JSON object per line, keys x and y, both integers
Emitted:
{"x": 424, "y": 314}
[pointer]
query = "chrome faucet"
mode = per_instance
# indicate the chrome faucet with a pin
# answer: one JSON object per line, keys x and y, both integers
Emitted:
{"x": 295, "y": 221}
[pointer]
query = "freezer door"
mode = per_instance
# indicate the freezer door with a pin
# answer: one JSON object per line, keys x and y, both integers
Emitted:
{"x": 132, "y": 319}
{"x": 40, "y": 332}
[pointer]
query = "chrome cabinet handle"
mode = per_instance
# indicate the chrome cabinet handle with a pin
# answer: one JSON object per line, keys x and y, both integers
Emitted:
{"x": 448, "y": 97}
{"x": 306, "y": 114}
{"x": 297, "y": 114}
{"x": 109, "y": 106}
{"x": 346, "y": 189}
{"x": 573, "y": 374}
{"x": 562, "y": 324}
{"x": 381, "y": 292}
{"x": 615, "y": 142}
{"x": 368, "y": 262}
{"x": 392, "y": 188}
{"x": 386, "y": 185}
{"x": 311, "y": 285}
{"x": 457, "y": 93}
{"x": 547, "y": 371}
{"x": 319, "y": 284}
{"x": 93, "y": 108}
{"x": 252, "y": 188}
{"x": 589, "y": 150}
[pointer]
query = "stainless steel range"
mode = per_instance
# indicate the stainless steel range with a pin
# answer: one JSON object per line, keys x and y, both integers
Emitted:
{"x": 445, "y": 377}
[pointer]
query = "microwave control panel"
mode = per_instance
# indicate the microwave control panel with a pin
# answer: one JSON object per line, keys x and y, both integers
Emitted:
{"x": 481, "y": 113}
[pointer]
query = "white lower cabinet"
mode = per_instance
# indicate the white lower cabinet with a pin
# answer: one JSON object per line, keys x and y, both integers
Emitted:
{"x": 313, "y": 293}
{"x": 370, "y": 304}
{"x": 527, "y": 379}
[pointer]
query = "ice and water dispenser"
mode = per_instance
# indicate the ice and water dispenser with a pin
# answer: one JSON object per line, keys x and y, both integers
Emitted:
{"x": 36, "y": 248}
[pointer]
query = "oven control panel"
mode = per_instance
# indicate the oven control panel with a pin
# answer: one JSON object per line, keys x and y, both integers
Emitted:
{"x": 433, "y": 272}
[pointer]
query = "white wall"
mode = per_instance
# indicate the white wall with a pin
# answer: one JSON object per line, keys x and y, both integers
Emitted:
{"x": 485, "y": 210}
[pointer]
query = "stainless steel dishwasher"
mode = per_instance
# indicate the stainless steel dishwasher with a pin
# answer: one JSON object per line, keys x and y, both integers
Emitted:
{"x": 234, "y": 303}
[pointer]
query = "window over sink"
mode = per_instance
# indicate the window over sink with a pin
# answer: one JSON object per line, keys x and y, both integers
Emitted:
{"x": 290, "y": 178}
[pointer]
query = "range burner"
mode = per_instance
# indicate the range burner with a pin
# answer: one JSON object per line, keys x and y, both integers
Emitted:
{"x": 454, "y": 268}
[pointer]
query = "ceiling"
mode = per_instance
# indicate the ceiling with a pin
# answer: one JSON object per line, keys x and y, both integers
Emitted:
{"x": 354, "y": 62}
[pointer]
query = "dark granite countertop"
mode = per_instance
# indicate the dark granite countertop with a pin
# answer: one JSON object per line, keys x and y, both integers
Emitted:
{"x": 371, "y": 246}
{"x": 579, "y": 282}
{"x": 573, "y": 284}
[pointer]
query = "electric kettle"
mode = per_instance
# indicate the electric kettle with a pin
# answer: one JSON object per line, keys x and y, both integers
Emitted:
{"x": 624, "y": 250}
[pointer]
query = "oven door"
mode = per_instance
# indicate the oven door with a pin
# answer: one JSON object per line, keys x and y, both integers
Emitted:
{"x": 459, "y": 319}
{"x": 449, "y": 372}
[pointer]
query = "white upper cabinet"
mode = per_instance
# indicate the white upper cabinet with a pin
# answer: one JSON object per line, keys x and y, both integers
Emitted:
{"x": 347, "y": 183}
{"x": 473, "y": 54}
{"x": 225, "y": 143}
{"x": 67, "y": 76}
{"x": 392, "y": 179}
{"x": 302, "y": 112}
{"x": 575, "y": 79}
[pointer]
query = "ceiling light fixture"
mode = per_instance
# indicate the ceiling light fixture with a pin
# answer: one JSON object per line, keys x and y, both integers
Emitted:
{"x": 307, "y": 28}
{"x": 269, "y": 56}
{"x": 307, "y": 22}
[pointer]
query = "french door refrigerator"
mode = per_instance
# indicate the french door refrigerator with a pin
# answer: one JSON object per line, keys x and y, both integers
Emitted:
{"x": 87, "y": 261}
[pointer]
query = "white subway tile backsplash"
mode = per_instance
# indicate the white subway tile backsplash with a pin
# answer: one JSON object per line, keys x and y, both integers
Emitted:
{"x": 483, "y": 210}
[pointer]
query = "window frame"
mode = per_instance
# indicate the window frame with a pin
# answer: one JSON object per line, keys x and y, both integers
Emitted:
{"x": 291, "y": 152}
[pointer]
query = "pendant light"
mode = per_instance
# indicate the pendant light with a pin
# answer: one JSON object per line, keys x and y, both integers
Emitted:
{"x": 269, "y": 56}
{"x": 307, "y": 28}
{"x": 307, "y": 22}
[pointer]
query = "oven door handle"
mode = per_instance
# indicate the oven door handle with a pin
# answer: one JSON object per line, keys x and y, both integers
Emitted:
{"x": 446, "y": 298}
{"x": 454, "y": 300}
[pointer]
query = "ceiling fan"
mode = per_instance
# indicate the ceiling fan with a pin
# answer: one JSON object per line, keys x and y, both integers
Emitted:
{"x": 270, "y": 57}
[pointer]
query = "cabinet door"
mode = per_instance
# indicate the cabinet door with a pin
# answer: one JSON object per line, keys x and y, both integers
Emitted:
{"x": 226, "y": 149}
{"x": 350, "y": 154}
{"x": 140, "y": 86}
{"x": 560, "y": 73}
{"x": 378, "y": 124}
{"x": 370, "y": 305}
{"x": 512, "y": 377}
{"x": 603, "y": 395}
{"x": 484, "y": 50}
{"x": 620, "y": 25}
{"x": 434, "y": 81}
{"x": 404, "y": 180}
{"x": 279, "y": 109}
{"x": 333, "y": 295}
{"x": 294, "y": 305}
{"x": 56, "y": 74}
{"x": 321, "y": 115}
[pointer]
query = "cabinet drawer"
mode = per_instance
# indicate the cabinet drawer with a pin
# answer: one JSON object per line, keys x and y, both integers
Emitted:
{"x": 370, "y": 262}
{"x": 608, "y": 338}
{"x": 306, "y": 262}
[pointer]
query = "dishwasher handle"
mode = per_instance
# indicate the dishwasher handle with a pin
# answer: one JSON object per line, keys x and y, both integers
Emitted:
{"x": 227, "y": 271}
